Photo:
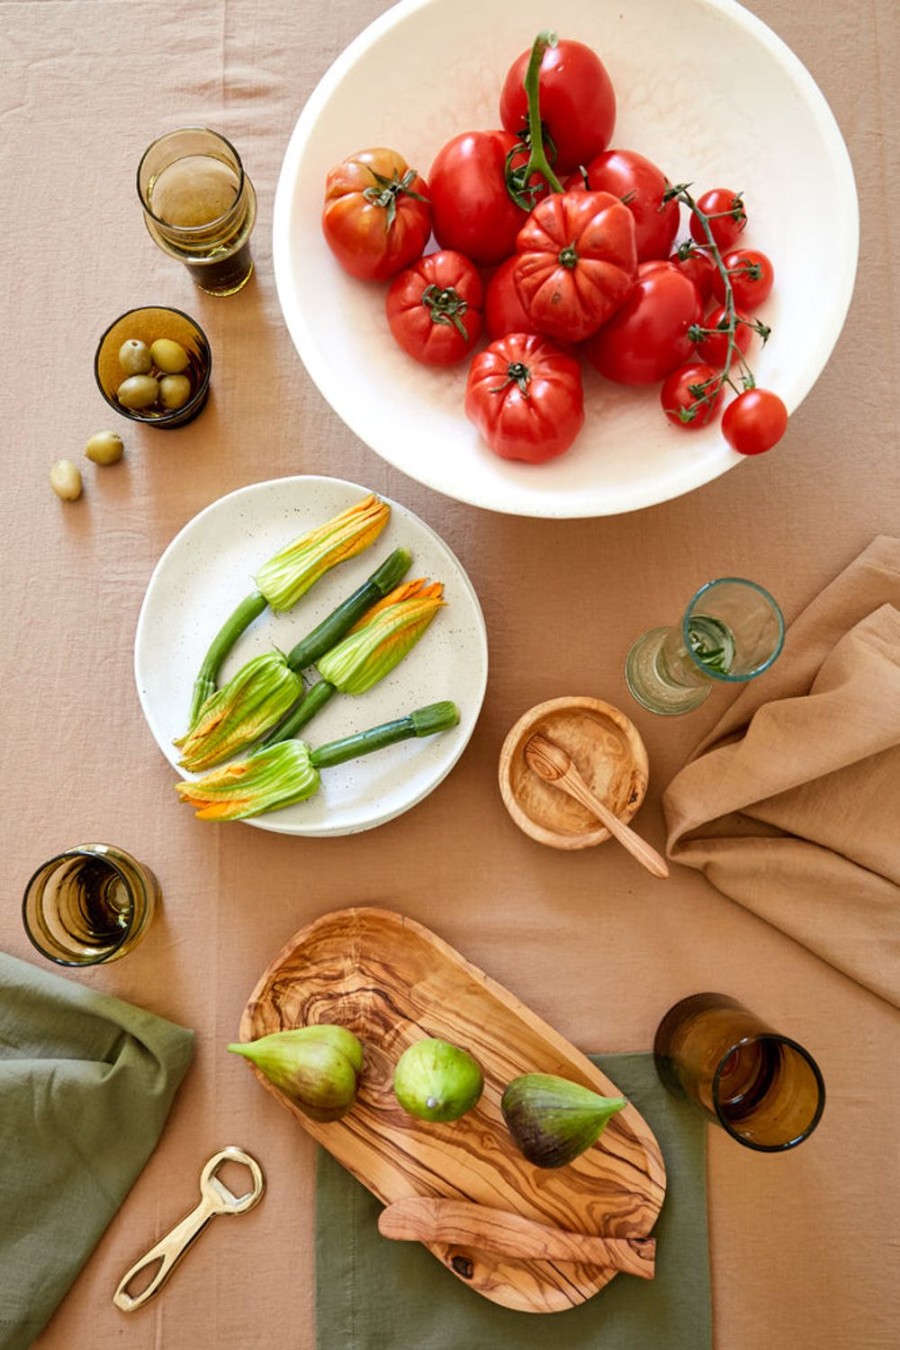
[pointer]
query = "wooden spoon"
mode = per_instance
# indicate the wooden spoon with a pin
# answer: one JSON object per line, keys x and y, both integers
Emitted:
{"x": 552, "y": 763}
{"x": 424, "y": 1218}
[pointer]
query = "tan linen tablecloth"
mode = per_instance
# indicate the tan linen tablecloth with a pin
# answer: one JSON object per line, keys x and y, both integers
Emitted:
{"x": 801, "y": 1245}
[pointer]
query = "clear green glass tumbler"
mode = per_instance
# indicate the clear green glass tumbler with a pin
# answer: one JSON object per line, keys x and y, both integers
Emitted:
{"x": 731, "y": 631}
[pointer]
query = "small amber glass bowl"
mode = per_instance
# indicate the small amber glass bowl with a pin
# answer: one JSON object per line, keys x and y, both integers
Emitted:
{"x": 147, "y": 324}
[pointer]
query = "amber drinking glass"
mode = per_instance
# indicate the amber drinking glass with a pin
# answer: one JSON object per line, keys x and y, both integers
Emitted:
{"x": 90, "y": 904}
{"x": 763, "y": 1088}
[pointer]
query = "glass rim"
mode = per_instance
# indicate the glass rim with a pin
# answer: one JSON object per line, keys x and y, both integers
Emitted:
{"x": 757, "y": 670}
{"x": 189, "y": 230}
{"x": 80, "y": 851}
{"x": 754, "y": 1039}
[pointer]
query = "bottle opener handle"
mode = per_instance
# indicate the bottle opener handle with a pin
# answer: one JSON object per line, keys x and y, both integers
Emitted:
{"x": 215, "y": 1198}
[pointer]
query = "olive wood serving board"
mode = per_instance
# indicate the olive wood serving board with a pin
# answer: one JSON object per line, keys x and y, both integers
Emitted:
{"x": 391, "y": 981}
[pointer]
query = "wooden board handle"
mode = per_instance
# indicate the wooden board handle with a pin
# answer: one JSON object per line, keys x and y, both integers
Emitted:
{"x": 431, "y": 1219}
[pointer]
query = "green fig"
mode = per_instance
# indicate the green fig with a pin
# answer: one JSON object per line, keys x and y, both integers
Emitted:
{"x": 553, "y": 1120}
{"x": 435, "y": 1080}
{"x": 315, "y": 1066}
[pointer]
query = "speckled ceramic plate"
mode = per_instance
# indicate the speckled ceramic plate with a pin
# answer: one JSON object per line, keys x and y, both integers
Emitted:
{"x": 208, "y": 568}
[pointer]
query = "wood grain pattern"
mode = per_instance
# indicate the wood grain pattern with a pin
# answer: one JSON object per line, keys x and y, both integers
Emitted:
{"x": 606, "y": 749}
{"x": 392, "y": 981}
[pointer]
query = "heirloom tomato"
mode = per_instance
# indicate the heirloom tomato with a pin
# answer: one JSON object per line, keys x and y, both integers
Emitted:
{"x": 650, "y": 334}
{"x": 503, "y": 310}
{"x": 690, "y": 395}
{"x": 472, "y": 211}
{"x": 751, "y": 276}
{"x": 754, "y": 421}
{"x": 525, "y": 397}
{"x": 727, "y": 217}
{"x": 577, "y": 103}
{"x": 376, "y": 217}
{"x": 713, "y": 347}
{"x": 434, "y": 308}
{"x": 640, "y": 185}
{"x": 576, "y": 263}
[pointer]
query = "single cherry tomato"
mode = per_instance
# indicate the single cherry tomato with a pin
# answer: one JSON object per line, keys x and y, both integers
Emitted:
{"x": 713, "y": 347}
{"x": 577, "y": 103}
{"x": 697, "y": 264}
{"x": 640, "y": 185}
{"x": 690, "y": 395}
{"x": 434, "y": 308}
{"x": 503, "y": 310}
{"x": 472, "y": 211}
{"x": 377, "y": 217}
{"x": 576, "y": 263}
{"x": 754, "y": 421}
{"x": 525, "y": 397}
{"x": 727, "y": 217}
{"x": 751, "y": 276}
{"x": 650, "y": 334}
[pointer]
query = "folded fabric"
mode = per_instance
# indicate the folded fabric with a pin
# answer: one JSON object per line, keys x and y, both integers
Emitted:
{"x": 791, "y": 805}
{"x": 376, "y": 1294}
{"x": 86, "y": 1082}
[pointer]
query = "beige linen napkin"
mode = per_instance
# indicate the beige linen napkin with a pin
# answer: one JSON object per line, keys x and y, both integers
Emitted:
{"x": 791, "y": 805}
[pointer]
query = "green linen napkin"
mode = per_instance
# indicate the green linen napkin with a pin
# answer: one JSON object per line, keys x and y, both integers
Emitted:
{"x": 375, "y": 1294}
{"x": 86, "y": 1082}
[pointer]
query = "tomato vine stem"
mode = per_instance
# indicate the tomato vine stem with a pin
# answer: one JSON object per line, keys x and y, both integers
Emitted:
{"x": 518, "y": 181}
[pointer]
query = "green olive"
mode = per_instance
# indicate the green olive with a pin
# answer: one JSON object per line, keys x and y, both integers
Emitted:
{"x": 138, "y": 391}
{"x": 104, "y": 448}
{"x": 134, "y": 357}
{"x": 169, "y": 356}
{"x": 65, "y": 480}
{"x": 174, "y": 391}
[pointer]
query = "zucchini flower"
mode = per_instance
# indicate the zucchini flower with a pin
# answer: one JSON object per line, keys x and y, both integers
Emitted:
{"x": 265, "y": 689}
{"x": 287, "y": 576}
{"x": 288, "y": 772}
{"x": 371, "y": 650}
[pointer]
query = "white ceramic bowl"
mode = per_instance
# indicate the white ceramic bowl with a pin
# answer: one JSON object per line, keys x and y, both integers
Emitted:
{"x": 208, "y": 569}
{"x": 706, "y": 91}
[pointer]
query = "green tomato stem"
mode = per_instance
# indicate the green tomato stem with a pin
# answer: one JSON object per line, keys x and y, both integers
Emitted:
{"x": 518, "y": 180}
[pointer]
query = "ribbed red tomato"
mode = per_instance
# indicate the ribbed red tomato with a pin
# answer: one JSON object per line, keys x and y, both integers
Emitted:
{"x": 434, "y": 308}
{"x": 377, "y": 216}
{"x": 525, "y": 397}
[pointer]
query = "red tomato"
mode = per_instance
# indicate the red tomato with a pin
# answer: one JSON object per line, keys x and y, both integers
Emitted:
{"x": 503, "y": 310}
{"x": 525, "y": 397}
{"x": 754, "y": 421}
{"x": 640, "y": 185}
{"x": 714, "y": 347}
{"x": 751, "y": 275}
{"x": 377, "y": 217}
{"x": 691, "y": 394}
{"x": 650, "y": 335}
{"x": 472, "y": 211}
{"x": 577, "y": 103}
{"x": 697, "y": 264}
{"x": 727, "y": 217}
{"x": 434, "y": 308}
{"x": 577, "y": 263}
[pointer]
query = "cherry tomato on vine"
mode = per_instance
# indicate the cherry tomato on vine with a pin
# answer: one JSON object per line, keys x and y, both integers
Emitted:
{"x": 713, "y": 348}
{"x": 525, "y": 397}
{"x": 503, "y": 310}
{"x": 640, "y": 185}
{"x": 697, "y": 264}
{"x": 690, "y": 395}
{"x": 434, "y": 308}
{"x": 577, "y": 263}
{"x": 577, "y": 102}
{"x": 727, "y": 217}
{"x": 649, "y": 336}
{"x": 472, "y": 211}
{"x": 754, "y": 421}
{"x": 377, "y": 217}
{"x": 751, "y": 275}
